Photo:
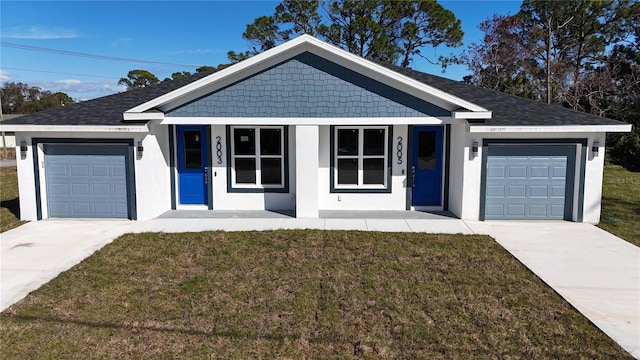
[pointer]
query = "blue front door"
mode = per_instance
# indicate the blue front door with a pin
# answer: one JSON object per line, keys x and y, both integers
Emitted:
{"x": 426, "y": 166}
{"x": 192, "y": 164}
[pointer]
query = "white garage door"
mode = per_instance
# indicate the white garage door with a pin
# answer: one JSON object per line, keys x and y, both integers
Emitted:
{"x": 86, "y": 181}
{"x": 529, "y": 182}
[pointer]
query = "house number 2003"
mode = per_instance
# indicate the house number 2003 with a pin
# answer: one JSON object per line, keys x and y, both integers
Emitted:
{"x": 399, "y": 150}
{"x": 219, "y": 149}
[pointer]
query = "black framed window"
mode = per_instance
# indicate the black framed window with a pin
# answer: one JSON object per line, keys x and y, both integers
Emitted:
{"x": 258, "y": 157}
{"x": 360, "y": 157}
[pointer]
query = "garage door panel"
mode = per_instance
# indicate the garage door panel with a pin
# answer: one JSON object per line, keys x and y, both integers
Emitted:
{"x": 495, "y": 210}
{"x": 539, "y": 172}
{"x": 557, "y": 210}
{"x": 558, "y": 191}
{"x": 86, "y": 180}
{"x": 80, "y": 189}
{"x": 515, "y": 210}
{"x": 58, "y": 189}
{"x": 517, "y": 191}
{"x": 100, "y": 170}
{"x": 118, "y": 170}
{"x": 517, "y": 172}
{"x": 559, "y": 172}
{"x": 538, "y": 191}
{"x": 58, "y": 170}
{"x": 496, "y": 172}
{"x": 119, "y": 190}
{"x": 101, "y": 190}
{"x": 538, "y": 210}
{"x": 102, "y": 208}
{"x": 120, "y": 209}
{"x": 495, "y": 190}
{"x": 81, "y": 209}
{"x": 79, "y": 170}
{"x": 535, "y": 181}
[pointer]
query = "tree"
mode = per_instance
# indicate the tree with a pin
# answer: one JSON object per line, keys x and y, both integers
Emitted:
{"x": 581, "y": 54}
{"x": 384, "y": 30}
{"x": 138, "y": 79}
{"x": 176, "y": 75}
{"x": 19, "y": 98}
{"x": 206, "y": 68}
{"x": 501, "y": 61}
{"x": 291, "y": 17}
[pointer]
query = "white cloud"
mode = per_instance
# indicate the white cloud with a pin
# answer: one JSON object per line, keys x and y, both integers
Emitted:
{"x": 81, "y": 90}
{"x": 4, "y": 76}
{"x": 39, "y": 33}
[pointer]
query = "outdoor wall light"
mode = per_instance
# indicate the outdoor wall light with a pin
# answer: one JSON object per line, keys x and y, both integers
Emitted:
{"x": 140, "y": 149}
{"x": 474, "y": 148}
{"x": 595, "y": 149}
{"x": 23, "y": 150}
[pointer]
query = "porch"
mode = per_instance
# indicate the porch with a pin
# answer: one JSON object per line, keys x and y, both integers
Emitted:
{"x": 391, "y": 221}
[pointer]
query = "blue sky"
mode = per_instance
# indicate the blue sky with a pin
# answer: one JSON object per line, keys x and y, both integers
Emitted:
{"x": 177, "y": 32}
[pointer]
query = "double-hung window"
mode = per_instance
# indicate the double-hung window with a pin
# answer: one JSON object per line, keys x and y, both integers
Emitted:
{"x": 361, "y": 158}
{"x": 258, "y": 157}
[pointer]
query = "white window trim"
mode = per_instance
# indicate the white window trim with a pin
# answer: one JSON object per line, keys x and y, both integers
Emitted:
{"x": 257, "y": 156}
{"x": 360, "y": 157}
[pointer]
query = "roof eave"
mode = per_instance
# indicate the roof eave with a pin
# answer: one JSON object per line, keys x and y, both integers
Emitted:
{"x": 139, "y": 128}
{"x": 492, "y": 129}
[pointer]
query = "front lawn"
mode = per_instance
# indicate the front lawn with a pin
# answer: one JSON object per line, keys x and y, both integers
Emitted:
{"x": 9, "y": 208}
{"x": 299, "y": 294}
{"x": 621, "y": 203}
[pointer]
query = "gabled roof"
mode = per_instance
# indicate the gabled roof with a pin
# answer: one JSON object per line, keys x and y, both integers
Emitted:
{"x": 495, "y": 108}
{"x": 290, "y": 49}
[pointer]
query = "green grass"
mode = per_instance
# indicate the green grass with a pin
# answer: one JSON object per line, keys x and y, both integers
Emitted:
{"x": 9, "y": 208}
{"x": 299, "y": 294}
{"x": 621, "y": 203}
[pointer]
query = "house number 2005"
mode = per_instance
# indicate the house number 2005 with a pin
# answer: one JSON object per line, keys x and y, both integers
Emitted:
{"x": 399, "y": 150}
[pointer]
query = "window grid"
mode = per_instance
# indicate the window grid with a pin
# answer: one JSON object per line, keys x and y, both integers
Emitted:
{"x": 360, "y": 157}
{"x": 258, "y": 157}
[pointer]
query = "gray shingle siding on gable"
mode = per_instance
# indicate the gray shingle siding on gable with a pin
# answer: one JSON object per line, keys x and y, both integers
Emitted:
{"x": 307, "y": 86}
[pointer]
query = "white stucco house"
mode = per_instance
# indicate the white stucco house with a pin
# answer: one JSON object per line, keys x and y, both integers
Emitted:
{"x": 307, "y": 127}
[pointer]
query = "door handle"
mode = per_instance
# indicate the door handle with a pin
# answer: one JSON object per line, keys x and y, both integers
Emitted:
{"x": 413, "y": 176}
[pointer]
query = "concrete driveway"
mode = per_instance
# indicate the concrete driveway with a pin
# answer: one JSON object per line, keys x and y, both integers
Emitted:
{"x": 36, "y": 252}
{"x": 596, "y": 272}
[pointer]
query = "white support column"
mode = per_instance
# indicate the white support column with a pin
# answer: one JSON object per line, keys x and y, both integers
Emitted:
{"x": 307, "y": 146}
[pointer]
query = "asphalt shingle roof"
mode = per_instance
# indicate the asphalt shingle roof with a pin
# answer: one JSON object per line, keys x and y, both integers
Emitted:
{"x": 508, "y": 110}
{"x": 105, "y": 110}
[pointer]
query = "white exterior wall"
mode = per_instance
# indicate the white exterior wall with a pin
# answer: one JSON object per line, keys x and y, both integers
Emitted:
{"x": 396, "y": 200}
{"x": 153, "y": 181}
{"x": 224, "y": 200}
{"x": 9, "y": 141}
{"x": 466, "y": 171}
{"x": 151, "y": 172}
{"x": 307, "y": 158}
{"x": 458, "y": 156}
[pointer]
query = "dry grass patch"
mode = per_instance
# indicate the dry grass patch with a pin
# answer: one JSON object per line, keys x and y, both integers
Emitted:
{"x": 299, "y": 294}
{"x": 9, "y": 206}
